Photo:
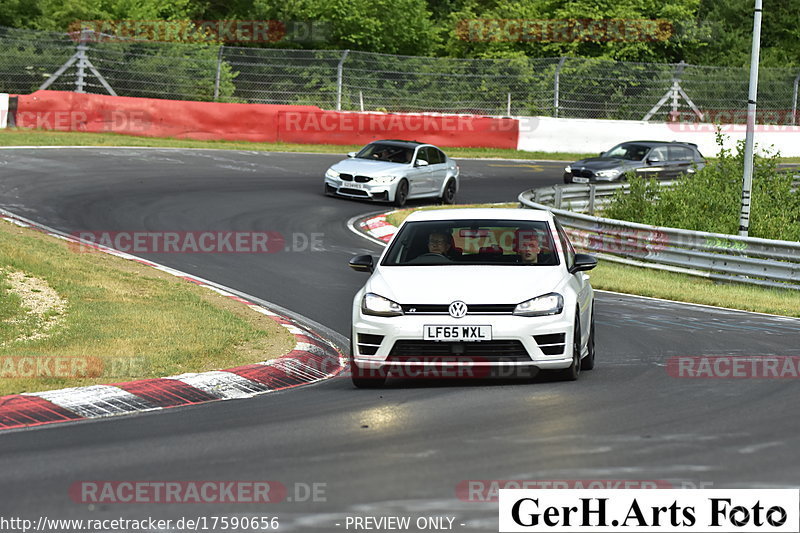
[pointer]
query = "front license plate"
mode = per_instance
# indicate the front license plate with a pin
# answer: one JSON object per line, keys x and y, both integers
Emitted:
{"x": 457, "y": 333}
{"x": 580, "y": 180}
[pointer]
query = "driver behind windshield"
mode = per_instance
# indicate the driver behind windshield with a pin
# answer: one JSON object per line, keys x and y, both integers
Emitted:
{"x": 439, "y": 243}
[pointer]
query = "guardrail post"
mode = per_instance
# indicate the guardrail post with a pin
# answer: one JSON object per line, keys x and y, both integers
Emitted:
{"x": 592, "y": 193}
{"x": 557, "y": 199}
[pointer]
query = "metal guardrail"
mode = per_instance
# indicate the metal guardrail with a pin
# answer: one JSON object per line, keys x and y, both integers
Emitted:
{"x": 715, "y": 256}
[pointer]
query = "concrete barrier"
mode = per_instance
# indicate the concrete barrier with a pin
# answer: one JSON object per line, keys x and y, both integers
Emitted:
{"x": 549, "y": 134}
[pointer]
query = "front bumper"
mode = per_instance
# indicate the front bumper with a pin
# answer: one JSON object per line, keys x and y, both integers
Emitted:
{"x": 540, "y": 342}
{"x": 383, "y": 192}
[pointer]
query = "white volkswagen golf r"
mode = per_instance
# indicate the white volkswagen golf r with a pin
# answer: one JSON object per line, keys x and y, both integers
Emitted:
{"x": 474, "y": 288}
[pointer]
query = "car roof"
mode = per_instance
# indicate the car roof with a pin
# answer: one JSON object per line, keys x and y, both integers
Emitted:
{"x": 658, "y": 143}
{"x": 479, "y": 213}
{"x": 399, "y": 142}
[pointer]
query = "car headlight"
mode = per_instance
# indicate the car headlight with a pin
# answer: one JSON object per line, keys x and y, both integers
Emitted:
{"x": 548, "y": 304}
{"x": 331, "y": 173}
{"x": 568, "y": 169}
{"x": 384, "y": 179}
{"x": 372, "y": 304}
{"x": 610, "y": 173}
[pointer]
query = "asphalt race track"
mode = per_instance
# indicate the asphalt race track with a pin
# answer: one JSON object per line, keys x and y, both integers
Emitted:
{"x": 405, "y": 449}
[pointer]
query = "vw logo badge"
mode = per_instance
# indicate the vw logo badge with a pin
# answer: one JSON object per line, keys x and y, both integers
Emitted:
{"x": 457, "y": 309}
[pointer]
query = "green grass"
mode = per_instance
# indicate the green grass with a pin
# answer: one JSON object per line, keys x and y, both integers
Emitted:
{"x": 130, "y": 320}
{"x": 684, "y": 288}
{"x": 615, "y": 277}
{"x": 29, "y": 137}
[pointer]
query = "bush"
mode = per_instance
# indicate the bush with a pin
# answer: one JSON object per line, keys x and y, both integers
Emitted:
{"x": 710, "y": 199}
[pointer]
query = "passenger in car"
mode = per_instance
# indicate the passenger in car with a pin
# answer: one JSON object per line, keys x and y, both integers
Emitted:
{"x": 529, "y": 250}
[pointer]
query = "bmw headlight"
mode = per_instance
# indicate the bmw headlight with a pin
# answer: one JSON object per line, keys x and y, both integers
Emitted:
{"x": 610, "y": 173}
{"x": 331, "y": 173}
{"x": 568, "y": 169}
{"x": 384, "y": 179}
{"x": 548, "y": 304}
{"x": 372, "y": 304}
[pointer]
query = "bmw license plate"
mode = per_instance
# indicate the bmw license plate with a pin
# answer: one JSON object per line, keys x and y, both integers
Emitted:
{"x": 457, "y": 333}
{"x": 580, "y": 180}
{"x": 354, "y": 185}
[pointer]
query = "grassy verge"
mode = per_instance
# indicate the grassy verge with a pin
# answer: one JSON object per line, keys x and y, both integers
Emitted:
{"x": 28, "y": 137}
{"x": 668, "y": 285}
{"x": 118, "y": 320}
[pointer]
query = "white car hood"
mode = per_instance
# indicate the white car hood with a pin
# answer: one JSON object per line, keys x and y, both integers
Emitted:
{"x": 366, "y": 167}
{"x": 472, "y": 284}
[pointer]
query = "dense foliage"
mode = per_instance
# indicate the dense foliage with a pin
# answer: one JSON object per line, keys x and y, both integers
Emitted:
{"x": 710, "y": 199}
{"x": 705, "y": 32}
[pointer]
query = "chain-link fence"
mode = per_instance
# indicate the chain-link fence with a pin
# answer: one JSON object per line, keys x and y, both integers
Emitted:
{"x": 350, "y": 80}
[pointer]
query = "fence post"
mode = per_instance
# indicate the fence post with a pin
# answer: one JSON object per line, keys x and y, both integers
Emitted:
{"x": 556, "y": 81}
{"x": 592, "y": 195}
{"x": 81, "y": 65}
{"x": 219, "y": 68}
{"x": 339, "y": 70}
{"x": 557, "y": 199}
{"x": 794, "y": 101}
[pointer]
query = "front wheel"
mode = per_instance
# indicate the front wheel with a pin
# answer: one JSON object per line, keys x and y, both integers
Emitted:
{"x": 401, "y": 194}
{"x": 449, "y": 194}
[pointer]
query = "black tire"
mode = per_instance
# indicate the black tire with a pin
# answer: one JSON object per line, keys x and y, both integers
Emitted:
{"x": 449, "y": 194}
{"x": 326, "y": 190}
{"x": 365, "y": 378}
{"x": 401, "y": 194}
{"x": 587, "y": 363}
{"x": 574, "y": 370}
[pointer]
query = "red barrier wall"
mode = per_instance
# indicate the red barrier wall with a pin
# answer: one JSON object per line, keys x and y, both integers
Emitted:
{"x": 67, "y": 111}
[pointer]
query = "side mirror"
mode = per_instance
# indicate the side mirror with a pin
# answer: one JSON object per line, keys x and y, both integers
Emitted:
{"x": 583, "y": 262}
{"x": 362, "y": 263}
{"x": 351, "y": 154}
{"x": 653, "y": 160}
{"x": 601, "y": 154}
{"x": 421, "y": 163}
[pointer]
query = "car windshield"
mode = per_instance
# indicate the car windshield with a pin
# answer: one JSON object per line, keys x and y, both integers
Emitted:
{"x": 473, "y": 242}
{"x": 386, "y": 152}
{"x": 628, "y": 151}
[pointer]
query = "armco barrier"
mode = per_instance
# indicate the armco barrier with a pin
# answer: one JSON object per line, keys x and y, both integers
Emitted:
{"x": 68, "y": 111}
{"x": 715, "y": 256}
